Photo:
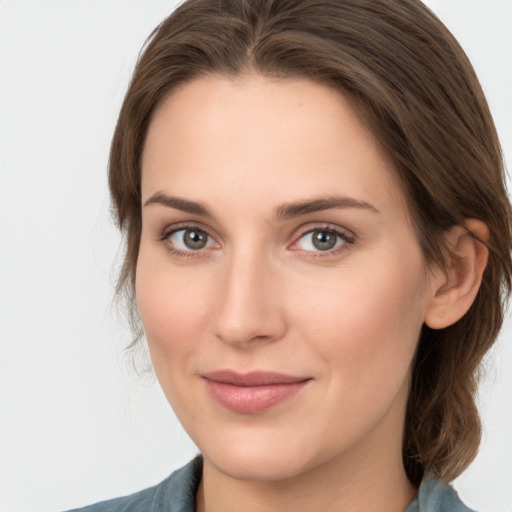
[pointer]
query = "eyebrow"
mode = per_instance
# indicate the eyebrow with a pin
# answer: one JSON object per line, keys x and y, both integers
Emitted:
{"x": 285, "y": 211}
{"x": 178, "y": 203}
{"x": 290, "y": 210}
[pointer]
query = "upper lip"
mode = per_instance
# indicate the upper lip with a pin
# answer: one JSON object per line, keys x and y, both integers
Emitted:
{"x": 254, "y": 378}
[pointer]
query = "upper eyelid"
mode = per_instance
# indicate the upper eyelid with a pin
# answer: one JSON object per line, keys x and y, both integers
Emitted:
{"x": 345, "y": 234}
{"x": 179, "y": 226}
{"x": 166, "y": 234}
{"x": 326, "y": 226}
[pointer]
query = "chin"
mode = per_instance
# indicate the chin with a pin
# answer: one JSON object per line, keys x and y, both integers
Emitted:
{"x": 257, "y": 467}
{"x": 260, "y": 459}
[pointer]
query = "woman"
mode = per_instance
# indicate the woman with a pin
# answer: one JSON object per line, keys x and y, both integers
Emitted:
{"x": 318, "y": 244}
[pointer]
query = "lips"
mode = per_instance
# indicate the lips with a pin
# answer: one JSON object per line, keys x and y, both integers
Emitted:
{"x": 252, "y": 392}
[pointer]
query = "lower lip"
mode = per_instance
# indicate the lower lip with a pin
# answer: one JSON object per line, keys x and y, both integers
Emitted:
{"x": 252, "y": 399}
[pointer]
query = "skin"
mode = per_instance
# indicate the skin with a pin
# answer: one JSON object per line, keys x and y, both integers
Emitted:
{"x": 261, "y": 296}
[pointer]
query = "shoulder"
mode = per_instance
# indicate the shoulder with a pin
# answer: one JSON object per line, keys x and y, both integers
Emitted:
{"x": 177, "y": 493}
{"x": 437, "y": 496}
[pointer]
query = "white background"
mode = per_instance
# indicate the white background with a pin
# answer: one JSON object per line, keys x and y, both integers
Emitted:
{"x": 77, "y": 424}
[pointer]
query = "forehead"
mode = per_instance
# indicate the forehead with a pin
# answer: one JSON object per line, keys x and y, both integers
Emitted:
{"x": 259, "y": 136}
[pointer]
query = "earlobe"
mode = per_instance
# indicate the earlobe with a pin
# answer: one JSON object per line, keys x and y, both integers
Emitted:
{"x": 455, "y": 289}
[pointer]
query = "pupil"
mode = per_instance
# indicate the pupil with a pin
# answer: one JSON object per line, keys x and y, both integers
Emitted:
{"x": 195, "y": 239}
{"x": 323, "y": 240}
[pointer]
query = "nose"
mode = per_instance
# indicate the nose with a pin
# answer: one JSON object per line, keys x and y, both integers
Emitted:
{"x": 249, "y": 310}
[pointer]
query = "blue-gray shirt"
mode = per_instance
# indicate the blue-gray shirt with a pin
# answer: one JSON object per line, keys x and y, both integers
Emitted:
{"x": 178, "y": 494}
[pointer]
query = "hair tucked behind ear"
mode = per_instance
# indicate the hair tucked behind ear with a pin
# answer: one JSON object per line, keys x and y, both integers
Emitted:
{"x": 416, "y": 90}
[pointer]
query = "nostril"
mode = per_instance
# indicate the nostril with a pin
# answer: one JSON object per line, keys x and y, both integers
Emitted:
{"x": 250, "y": 329}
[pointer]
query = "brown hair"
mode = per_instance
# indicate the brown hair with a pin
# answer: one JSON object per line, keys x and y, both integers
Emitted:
{"x": 415, "y": 88}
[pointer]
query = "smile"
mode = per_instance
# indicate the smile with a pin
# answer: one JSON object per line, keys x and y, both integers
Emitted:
{"x": 253, "y": 392}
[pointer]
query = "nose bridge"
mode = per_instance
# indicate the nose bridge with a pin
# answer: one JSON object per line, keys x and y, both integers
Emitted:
{"x": 248, "y": 308}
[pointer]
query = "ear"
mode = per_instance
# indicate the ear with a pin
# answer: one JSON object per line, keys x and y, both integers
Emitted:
{"x": 455, "y": 288}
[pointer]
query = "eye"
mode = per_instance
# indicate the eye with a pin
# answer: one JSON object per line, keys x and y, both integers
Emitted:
{"x": 190, "y": 239}
{"x": 322, "y": 240}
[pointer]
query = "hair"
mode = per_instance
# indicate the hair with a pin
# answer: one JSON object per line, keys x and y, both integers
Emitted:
{"x": 416, "y": 90}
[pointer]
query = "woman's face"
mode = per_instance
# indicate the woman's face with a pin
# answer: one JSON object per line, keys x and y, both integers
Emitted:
{"x": 279, "y": 280}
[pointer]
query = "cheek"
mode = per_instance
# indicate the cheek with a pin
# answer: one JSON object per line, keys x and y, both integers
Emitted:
{"x": 367, "y": 318}
{"x": 173, "y": 307}
{"x": 174, "y": 315}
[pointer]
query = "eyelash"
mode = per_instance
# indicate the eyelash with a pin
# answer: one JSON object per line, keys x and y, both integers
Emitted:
{"x": 168, "y": 232}
{"x": 346, "y": 239}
